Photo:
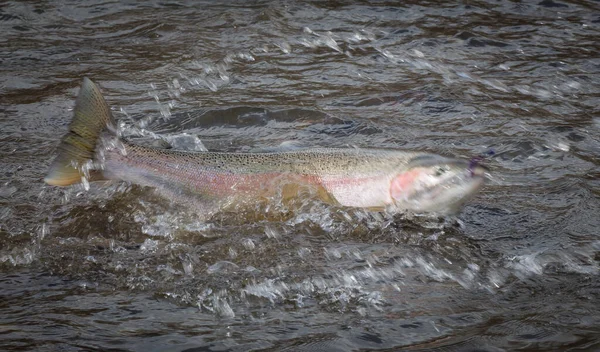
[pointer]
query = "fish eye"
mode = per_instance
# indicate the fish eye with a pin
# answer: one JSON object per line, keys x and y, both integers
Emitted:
{"x": 439, "y": 171}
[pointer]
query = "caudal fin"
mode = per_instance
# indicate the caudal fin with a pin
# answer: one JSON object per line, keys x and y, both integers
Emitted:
{"x": 90, "y": 118}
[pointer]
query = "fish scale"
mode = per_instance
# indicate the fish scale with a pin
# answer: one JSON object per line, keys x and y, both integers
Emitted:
{"x": 353, "y": 177}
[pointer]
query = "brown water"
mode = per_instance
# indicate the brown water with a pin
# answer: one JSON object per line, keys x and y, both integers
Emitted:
{"x": 117, "y": 268}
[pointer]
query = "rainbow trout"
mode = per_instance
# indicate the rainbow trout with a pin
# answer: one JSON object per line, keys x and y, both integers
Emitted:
{"x": 366, "y": 178}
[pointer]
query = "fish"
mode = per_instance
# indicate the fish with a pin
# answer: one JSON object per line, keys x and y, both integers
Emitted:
{"x": 375, "y": 179}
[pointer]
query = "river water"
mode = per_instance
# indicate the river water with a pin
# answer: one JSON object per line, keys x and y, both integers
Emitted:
{"x": 118, "y": 268}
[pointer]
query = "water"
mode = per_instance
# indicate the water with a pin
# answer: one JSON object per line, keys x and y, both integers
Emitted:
{"x": 118, "y": 268}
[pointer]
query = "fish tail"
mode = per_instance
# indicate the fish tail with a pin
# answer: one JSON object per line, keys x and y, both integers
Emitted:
{"x": 91, "y": 118}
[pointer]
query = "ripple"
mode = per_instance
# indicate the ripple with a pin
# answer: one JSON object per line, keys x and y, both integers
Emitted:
{"x": 516, "y": 270}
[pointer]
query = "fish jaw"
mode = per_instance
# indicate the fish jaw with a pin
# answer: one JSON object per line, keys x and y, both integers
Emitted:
{"x": 437, "y": 185}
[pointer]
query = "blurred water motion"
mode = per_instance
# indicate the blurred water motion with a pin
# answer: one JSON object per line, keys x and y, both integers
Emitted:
{"x": 119, "y": 268}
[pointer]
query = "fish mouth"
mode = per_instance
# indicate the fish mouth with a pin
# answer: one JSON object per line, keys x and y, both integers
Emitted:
{"x": 476, "y": 168}
{"x": 471, "y": 176}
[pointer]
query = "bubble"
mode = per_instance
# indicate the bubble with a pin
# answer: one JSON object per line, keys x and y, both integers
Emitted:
{"x": 149, "y": 246}
{"x": 223, "y": 266}
{"x": 248, "y": 244}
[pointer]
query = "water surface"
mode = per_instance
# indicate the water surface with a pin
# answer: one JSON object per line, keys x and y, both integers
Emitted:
{"x": 117, "y": 268}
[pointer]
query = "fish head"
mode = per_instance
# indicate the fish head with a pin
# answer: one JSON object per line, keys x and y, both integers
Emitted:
{"x": 431, "y": 183}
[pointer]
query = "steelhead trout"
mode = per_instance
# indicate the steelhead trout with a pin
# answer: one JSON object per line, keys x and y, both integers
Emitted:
{"x": 366, "y": 178}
